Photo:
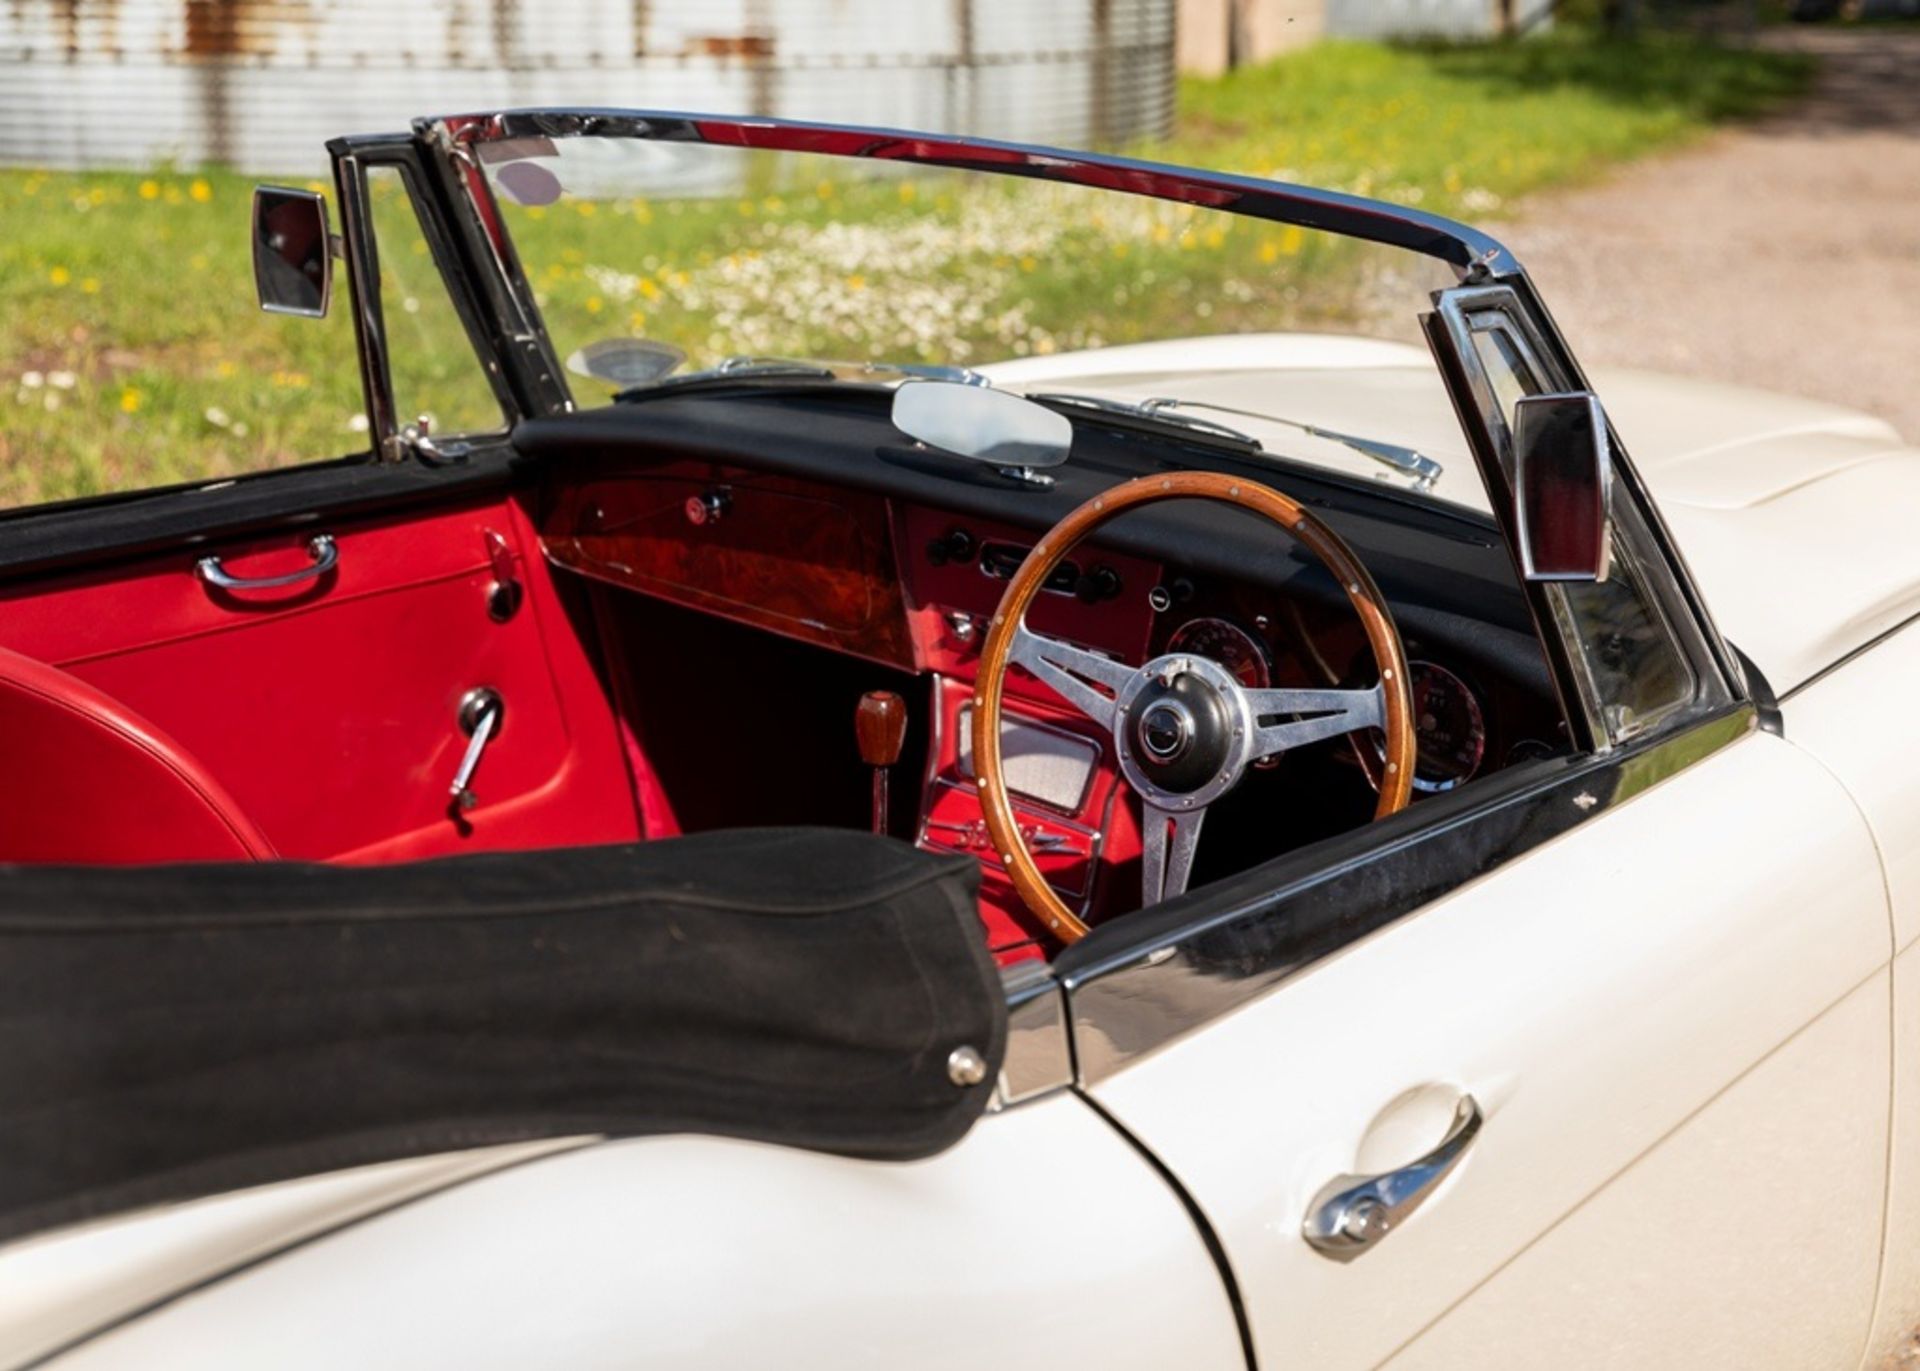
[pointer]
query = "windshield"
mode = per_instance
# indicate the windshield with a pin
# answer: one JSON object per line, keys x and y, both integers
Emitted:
{"x": 650, "y": 260}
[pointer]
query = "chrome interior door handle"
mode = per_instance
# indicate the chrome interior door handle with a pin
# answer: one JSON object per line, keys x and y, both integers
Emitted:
{"x": 479, "y": 717}
{"x": 1352, "y": 1213}
{"x": 324, "y": 551}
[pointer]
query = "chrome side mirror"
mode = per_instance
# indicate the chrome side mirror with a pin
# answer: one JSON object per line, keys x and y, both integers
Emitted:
{"x": 1004, "y": 430}
{"x": 292, "y": 251}
{"x": 1562, "y": 472}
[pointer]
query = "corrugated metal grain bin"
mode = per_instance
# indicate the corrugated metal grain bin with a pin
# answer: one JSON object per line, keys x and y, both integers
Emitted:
{"x": 258, "y": 84}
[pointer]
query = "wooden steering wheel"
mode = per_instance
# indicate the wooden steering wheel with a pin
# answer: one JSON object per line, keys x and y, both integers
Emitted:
{"x": 1184, "y": 729}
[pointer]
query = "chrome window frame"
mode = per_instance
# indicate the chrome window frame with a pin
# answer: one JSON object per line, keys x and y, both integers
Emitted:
{"x": 353, "y": 158}
{"x": 1505, "y": 305}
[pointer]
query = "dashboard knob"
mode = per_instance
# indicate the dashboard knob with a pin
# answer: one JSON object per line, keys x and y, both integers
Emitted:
{"x": 955, "y": 545}
{"x": 1102, "y": 583}
{"x": 708, "y": 508}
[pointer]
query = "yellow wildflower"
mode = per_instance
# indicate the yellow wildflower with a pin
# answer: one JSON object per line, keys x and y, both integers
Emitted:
{"x": 200, "y": 191}
{"x": 91, "y": 285}
{"x": 59, "y": 276}
{"x": 907, "y": 192}
{"x": 149, "y": 190}
{"x": 129, "y": 401}
{"x": 594, "y": 304}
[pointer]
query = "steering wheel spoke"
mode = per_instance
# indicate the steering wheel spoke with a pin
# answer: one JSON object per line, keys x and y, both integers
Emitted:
{"x": 1166, "y": 855}
{"x": 1318, "y": 714}
{"x": 1072, "y": 673}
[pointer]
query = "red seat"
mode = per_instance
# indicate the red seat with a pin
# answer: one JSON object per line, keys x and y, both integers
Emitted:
{"x": 84, "y": 779}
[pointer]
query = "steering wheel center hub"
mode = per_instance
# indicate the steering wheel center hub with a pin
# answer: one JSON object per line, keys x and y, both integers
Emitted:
{"x": 1182, "y": 730}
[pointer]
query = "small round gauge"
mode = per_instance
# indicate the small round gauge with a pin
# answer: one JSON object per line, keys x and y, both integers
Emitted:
{"x": 1228, "y": 644}
{"x": 1451, "y": 731}
{"x": 1448, "y": 728}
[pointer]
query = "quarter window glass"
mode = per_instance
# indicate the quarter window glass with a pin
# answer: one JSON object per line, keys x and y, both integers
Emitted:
{"x": 1636, "y": 669}
{"x": 436, "y": 373}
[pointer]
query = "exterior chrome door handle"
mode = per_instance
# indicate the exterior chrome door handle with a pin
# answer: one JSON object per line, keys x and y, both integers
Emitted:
{"x": 324, "y": 551}
{"x": 1352, "y": 1213}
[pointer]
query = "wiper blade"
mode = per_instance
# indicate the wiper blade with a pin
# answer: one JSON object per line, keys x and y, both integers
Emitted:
{"x": 1155, "y": 411}
{"x": 748, "y": 368}
{"x": 1426, "y": 472}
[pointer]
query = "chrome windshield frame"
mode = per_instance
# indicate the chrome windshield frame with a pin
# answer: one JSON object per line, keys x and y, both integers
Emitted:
{"x": 452, "y": 141}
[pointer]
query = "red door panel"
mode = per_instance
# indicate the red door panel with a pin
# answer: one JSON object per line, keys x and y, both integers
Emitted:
{"x": 328, "y": 709}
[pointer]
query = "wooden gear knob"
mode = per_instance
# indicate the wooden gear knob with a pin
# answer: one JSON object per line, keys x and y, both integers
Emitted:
{"x": 880, "y": 723}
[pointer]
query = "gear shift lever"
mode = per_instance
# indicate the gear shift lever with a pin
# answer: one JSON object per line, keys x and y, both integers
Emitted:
{"x": 880, "y": 725}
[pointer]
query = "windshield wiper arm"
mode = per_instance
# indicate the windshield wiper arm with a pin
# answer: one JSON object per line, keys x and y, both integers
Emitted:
{"x": 1425, "y": 471}
{"x": 1154, "y": 410}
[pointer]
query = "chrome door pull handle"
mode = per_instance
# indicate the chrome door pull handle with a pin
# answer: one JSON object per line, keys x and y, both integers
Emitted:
{"x": 324, "y": 551}
{"x": 1352, "y": 1213}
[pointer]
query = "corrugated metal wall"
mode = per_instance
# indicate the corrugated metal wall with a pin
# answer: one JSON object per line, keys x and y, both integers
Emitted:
{"x": 258, "y": 84}
{"x": 1443, "y": 18}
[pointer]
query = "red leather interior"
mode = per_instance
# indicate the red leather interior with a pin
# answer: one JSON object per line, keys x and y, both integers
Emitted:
{"x": 328, "y": 708}
{"x": 89, "y": 781}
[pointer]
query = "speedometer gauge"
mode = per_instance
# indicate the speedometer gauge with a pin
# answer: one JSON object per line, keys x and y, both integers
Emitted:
{"x": 1449, "y": 725}
{"x": 1228, "y": 644}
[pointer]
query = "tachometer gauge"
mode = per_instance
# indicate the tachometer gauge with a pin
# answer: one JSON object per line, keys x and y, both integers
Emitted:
{"x": 1228, "y": 644}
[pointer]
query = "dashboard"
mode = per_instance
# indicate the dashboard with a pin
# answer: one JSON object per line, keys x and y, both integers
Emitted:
{"x": 894, "y": 559}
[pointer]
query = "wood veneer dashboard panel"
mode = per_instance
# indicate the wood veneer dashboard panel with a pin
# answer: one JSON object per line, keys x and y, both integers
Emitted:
{"x": 809, "y": 561}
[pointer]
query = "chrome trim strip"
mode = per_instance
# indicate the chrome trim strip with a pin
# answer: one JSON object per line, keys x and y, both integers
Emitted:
{"x": 1039, "y": 1057}
{"x": 1140, "y": 983}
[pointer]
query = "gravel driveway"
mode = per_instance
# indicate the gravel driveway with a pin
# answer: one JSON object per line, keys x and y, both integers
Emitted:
{"x": 1783, "y": 254}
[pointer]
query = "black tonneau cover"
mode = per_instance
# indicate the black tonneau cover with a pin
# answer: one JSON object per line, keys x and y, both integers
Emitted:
{"x": 168, "y": 1032}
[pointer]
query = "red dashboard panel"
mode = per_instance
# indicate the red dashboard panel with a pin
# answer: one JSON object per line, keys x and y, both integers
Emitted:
{"x": 1088, "y": 847}
{"x": 951, "y": 598}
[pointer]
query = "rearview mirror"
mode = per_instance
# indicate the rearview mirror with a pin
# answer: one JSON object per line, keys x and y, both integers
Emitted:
{"x": 1562, "y": 470}
{"x": 292, "y": 251}
{"x": 1007, "y": 431}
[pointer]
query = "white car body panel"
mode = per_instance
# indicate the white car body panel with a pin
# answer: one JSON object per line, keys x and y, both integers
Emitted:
{"x": 1595, "y": 997}
{"x": 1853, "y": 721}
{"x": 1772, "y": 1264}
{"x": 63, "y": 1286}
{"x": 1041, "y": 1240}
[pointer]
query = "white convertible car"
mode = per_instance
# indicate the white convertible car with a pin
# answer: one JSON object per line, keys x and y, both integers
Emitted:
{"x": 443, "y": 922}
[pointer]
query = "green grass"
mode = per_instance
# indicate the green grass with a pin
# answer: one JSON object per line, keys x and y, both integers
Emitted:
{"x": 131, "y": 352}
